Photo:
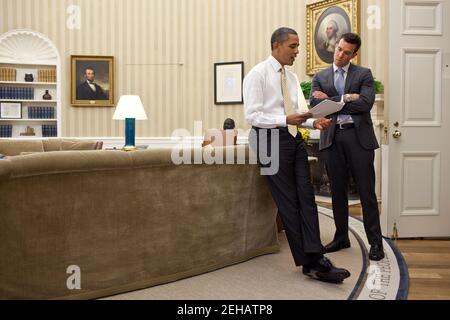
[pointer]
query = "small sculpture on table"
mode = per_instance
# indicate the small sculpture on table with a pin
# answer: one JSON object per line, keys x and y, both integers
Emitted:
{"x": 29, "y": 131}
{"x": 29, "y": 77}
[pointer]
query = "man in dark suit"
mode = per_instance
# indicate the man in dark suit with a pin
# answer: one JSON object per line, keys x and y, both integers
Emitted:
{"x": 89, "y": 90}
{"x": 348, "y": 144}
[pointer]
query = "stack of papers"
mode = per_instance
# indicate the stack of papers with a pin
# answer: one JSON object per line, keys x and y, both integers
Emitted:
{"x": 325, "y": 108}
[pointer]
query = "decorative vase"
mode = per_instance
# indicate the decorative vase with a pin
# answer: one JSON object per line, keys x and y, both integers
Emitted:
{"x": 47, "y": 96}
{"x": 29, "y": 77}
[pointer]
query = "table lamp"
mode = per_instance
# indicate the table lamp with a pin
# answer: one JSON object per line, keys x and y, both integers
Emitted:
{"x": 129, "y": 108}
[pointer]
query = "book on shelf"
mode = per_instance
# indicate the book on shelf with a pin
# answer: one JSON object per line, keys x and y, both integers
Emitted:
{"x": 47, "y": 75}
{"x": 49, "y": 130}
{"x": 41, "y": 112}
{"x": 7, "y": 74}
{"x": 16, "y": 93}
{"x": 5, "y": 130}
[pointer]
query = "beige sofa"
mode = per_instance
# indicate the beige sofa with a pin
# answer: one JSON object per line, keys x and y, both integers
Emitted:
{"x": 128, "y": 220}
{"x": 14, "y": 147}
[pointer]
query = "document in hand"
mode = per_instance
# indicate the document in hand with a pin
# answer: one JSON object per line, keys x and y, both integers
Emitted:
{"x": 325, "y": 108}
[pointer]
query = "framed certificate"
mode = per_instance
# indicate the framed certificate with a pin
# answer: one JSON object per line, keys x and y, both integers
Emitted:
{"x": 10, "y": 110}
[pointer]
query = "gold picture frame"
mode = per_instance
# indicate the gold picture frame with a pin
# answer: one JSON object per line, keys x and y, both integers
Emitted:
{"x": 99, "y": 92}
{"x": 326, "y": 21}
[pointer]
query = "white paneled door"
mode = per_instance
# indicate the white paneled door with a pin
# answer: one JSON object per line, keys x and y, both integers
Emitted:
{"x": 418, "y": 179}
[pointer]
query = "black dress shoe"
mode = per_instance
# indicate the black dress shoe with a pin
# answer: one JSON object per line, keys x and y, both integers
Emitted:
{"x": 324, "y": 270}
{"x": 376, "y": 252}
{"x": 336, "y": 246}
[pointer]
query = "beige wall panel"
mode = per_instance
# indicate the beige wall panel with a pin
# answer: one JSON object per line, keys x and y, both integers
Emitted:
{"x": 165, "y": 50}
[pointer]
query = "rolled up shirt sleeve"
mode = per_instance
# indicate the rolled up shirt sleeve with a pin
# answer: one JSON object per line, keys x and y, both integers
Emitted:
{"x": 308, "y": 124}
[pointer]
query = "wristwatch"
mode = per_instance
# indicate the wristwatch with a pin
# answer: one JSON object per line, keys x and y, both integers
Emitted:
{"x": 347, "y": 97}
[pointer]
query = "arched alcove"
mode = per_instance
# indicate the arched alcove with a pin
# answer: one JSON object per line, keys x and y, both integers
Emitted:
{"x": 23, "y": 52}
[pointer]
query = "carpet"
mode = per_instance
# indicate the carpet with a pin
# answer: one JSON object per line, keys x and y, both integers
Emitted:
{"x": 275, "y": 277}
{"x": 386, "y": 279}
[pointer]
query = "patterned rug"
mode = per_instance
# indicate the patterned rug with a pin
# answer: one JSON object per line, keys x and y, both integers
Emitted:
{"x": 387, "y": 279}
{"x": 275, "y": 277}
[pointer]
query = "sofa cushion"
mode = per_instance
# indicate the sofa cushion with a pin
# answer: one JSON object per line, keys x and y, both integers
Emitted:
{"x": 51, "y": 144}
{"x": 71, "y": 144}
{"x": 78, "y": 144}
{"x": 15, "y": 147}
{"x": 27, "y": 153}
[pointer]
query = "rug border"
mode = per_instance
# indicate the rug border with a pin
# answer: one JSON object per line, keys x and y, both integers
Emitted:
{"x": 403, "y": 286}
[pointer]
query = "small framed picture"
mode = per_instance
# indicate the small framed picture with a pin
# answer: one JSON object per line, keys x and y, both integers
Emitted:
{"x": 10, "y": 110}
{"x": 228, "y": 77}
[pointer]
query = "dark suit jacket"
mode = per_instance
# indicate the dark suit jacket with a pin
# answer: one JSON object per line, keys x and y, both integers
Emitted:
{"x": 359, "y": 80}
{"x": 84, "y": 92}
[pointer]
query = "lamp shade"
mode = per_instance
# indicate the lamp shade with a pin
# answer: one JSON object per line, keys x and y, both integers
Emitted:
{"x": 129, "y": 106}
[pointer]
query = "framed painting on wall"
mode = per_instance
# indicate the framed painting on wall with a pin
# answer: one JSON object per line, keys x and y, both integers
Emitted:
{"x": 326, "y": 22}
{"x": 228, "y": 77}
{"x": 92, "y": 81}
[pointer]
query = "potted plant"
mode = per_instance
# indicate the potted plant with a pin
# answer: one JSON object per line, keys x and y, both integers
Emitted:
{"x": 378, "y": 86}
{"x": 306, "y": 88}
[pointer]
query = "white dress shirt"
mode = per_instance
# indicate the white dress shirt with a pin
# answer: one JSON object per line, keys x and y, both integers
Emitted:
{"x": 263, "y": 98}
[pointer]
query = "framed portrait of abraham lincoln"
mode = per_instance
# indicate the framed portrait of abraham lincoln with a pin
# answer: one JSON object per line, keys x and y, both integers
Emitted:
{"x": 326, "y": 22}
{"x": 92, "y": 81}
